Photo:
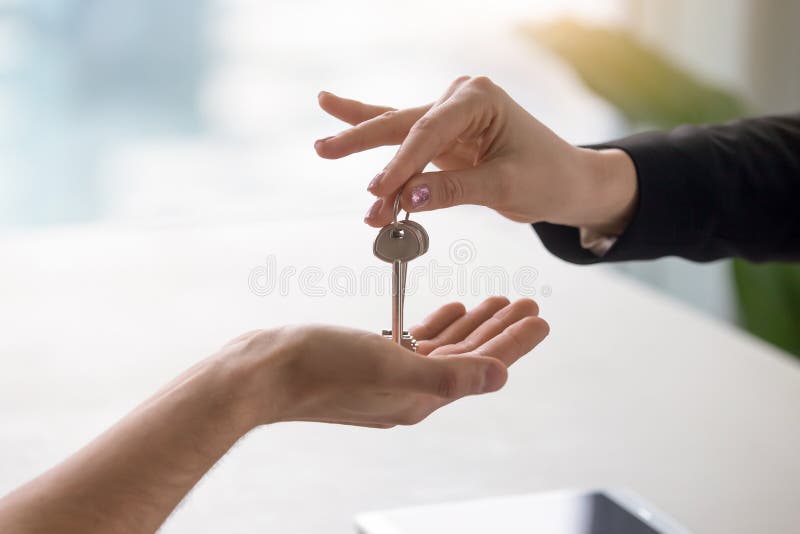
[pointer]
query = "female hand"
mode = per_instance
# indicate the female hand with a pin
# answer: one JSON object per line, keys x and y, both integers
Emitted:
{"x": 491, "y": 152}
{"x": 339, "y": 375}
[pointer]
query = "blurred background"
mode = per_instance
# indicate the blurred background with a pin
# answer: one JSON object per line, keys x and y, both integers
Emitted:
{"x": 187, "y": 112}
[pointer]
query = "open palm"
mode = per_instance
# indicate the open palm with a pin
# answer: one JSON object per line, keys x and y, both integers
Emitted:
{"x": 353, "y": 377}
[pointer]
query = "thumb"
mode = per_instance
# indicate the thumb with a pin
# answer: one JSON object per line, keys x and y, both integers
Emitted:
{"x": 436, "y": 190}
{"x": 453, "y": 377}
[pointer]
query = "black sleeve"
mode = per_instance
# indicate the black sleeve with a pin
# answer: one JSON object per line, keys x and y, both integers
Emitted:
{"x": 706, "y": 193}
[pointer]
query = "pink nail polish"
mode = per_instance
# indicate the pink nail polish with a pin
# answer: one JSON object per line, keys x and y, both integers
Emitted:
{"x": 420, "y": 195}
{"x": 374, "y": 209}
{"x": 374, "y": 182}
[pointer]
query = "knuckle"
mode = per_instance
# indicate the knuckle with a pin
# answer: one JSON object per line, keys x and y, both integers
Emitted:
{"x": 448, "y": 384}
{"x": 244, "y": 337}
{"x": 425, "y": 123}
{"x": 388, "y": 115}
{"x": 256, "y": 340}
{"x": 428, "y": 129}
{"x": 520, "y": 346}
{"x": 356, "y": 136}
{"x": 442, "y": 350}
{"x": 467, "y": 345}
{"x": 482, "y": 83}
{"x": 451, "y": 190}
{"x": 392, "y": 125}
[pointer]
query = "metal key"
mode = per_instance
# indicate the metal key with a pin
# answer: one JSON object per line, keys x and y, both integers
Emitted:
{"x": 398, "y": 243}
{"x": 422, "y": 235}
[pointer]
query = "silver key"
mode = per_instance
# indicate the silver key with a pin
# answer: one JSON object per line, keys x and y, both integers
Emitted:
{"x": 424, "y": 240}
{"x": 398, "y": 243}
{"x": 423, "y": 235}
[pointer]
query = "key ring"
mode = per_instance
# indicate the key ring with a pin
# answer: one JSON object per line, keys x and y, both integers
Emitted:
{"x": 396, "y": 210}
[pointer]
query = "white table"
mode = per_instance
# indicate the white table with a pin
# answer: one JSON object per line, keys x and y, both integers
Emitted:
{"x": 630, "y": 389}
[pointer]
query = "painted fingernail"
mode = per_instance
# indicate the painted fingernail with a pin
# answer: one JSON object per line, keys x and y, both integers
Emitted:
{"x": 420, "y": 195}
{"x": 494, "y": 378}
{"x": 375, "y": 181}
{"x": 374, "y": 209}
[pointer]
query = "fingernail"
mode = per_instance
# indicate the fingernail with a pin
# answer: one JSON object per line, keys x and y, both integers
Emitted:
{"x": 494, "y": 378}
{"x": 319, "y": 95}
{"x": 374, "y": 209}
{"x": 320, "y": 141}
{"x": 420, "y": 195}
{"x": 375, "y": 181}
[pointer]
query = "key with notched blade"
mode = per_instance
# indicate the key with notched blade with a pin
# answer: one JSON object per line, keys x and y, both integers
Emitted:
{"x": 398, "y": 243}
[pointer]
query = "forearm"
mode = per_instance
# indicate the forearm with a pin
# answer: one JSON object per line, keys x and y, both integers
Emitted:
{"x": 130, "y": 478}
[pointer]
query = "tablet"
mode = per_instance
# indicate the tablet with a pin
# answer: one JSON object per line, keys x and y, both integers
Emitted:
{"x": 562, "y": 512}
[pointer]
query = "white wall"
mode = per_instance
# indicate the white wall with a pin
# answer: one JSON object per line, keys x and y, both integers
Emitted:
{"x": 750, "y": 46}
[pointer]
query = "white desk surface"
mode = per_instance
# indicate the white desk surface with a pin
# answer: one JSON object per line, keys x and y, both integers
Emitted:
{"x": 630, "y": 389}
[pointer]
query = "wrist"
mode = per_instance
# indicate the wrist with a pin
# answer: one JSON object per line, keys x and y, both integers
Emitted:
{"x": 250, "y": 373}
{"x": 216, "y": 384}
{"x": 604, "y": 193}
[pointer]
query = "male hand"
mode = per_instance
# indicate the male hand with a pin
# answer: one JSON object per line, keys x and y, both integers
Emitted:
{"x": 339, "y": 375}
{"x": 133, "y": 475}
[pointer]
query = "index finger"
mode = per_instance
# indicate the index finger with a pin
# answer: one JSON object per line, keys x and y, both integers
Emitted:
{"x": 429, "y": 136}
{"x": 388, "y": 128}
{"x": 347, "y": 110}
